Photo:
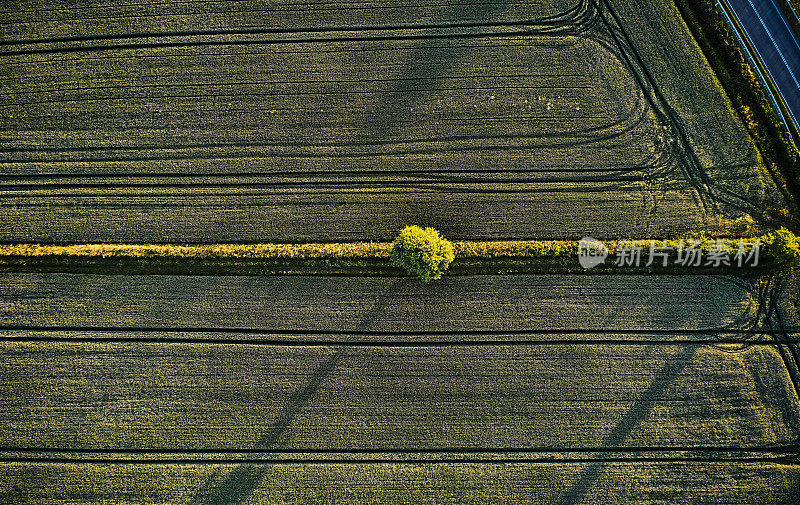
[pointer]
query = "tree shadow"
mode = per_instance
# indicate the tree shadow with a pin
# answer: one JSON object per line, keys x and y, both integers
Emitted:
{"x": 244, "y": 479}
{"x": 637, "y": 413}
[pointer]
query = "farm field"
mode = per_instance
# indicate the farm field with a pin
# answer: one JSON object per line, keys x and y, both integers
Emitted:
{"x": 334, "y": 306}
{"x": 657, "y": 482}
{"x": 189, "y": 397}
{"x": 271, "y": 407}
{"x": 287, "y": 123}
{"x": 185, "y": 122}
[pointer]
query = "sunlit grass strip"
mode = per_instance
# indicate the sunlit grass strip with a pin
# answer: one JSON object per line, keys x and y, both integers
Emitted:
{"x": 780, "y": 249}
{"x": 252, "y": 251}
{"x": 354, "y": 250}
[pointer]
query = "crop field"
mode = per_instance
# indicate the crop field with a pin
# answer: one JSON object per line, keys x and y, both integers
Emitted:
{"x": 284, "y": 122}
{"x": 403, "y": 483}
{"x": 174, "y": 397}
{"x": 334, "y": 306}
{"x": 331, "y": 388}
{"x": 314, "y": 129}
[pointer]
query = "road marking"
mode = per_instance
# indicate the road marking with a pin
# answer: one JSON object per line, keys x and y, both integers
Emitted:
{"x": 788, "y": 29}
{"x": 791, "y": 113}
{"x": 752, "y": 57}
{"x": 774, "y": 43}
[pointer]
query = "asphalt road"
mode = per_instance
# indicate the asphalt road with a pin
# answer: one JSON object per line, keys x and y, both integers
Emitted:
{"x": 777, "y": 46}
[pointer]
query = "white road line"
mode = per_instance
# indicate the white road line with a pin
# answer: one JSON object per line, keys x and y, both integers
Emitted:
{"x": 791, "y": 113}
{"x": 775, "y": 44}
{"x": 791, "y": 32}
{"x": 750, "y": 56}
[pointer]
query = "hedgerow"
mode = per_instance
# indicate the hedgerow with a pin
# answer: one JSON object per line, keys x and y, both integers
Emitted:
{"x": 783, "y": 245}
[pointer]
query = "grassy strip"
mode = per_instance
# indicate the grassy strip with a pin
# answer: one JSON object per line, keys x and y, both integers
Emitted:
{"x": 774, "y": 143}
{"x": 330, "y": 251}
{"x": 362, "y": 258}
{"x": 354, "y": 250}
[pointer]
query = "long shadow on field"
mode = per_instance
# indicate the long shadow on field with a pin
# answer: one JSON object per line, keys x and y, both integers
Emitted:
{"x": 638, "y": 412}
{"x": 423, "y": 69}
{"x": 243, "y": 480}
{"x": 427, "y": 64}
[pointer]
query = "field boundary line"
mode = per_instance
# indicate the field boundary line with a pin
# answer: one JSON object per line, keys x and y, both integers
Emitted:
{"x": 788, "y": 458}
{"x": 388, "y": 344}
{"x": 779, "y": 448}
{"x": 300, "y": 332}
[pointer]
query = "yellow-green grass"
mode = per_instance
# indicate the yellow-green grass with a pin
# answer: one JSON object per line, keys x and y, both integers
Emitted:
{"x": 354, "y": 250}
{"x": 358, "y": 258}
{"x": 178, "y": 145}
{"x": 637, "y": 383}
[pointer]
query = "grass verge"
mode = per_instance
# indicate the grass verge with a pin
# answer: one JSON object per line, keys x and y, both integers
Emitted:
{"x": 360, "y": 258}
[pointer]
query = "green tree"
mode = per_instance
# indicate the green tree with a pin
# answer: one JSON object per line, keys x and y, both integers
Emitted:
{"x": 422, "y": 252}
{"x": 783, "y": 245}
